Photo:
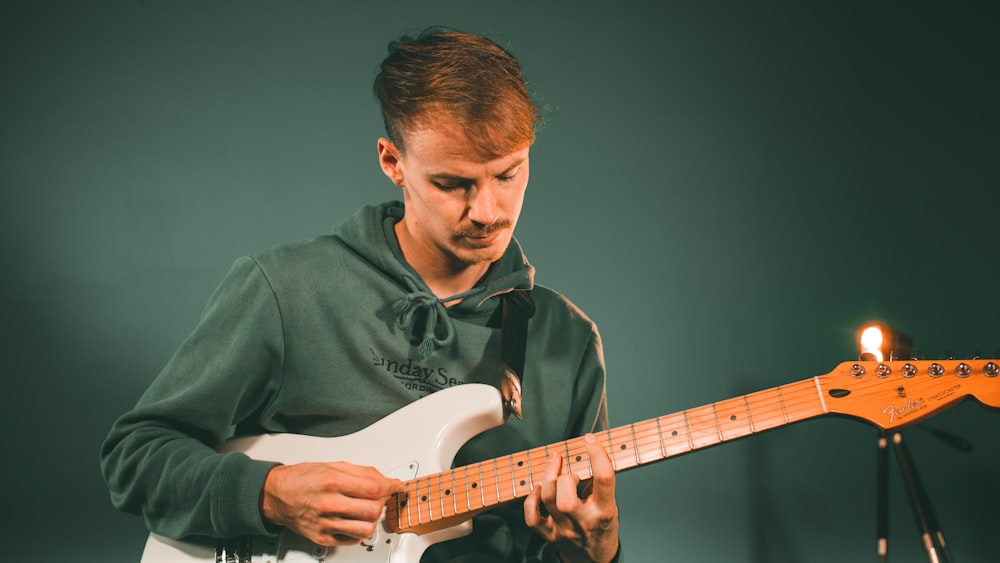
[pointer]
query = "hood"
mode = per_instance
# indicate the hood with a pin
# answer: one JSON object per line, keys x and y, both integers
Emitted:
{"x": 420, "y": 313}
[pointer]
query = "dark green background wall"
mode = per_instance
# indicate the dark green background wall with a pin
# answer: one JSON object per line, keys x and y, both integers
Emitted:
{"x": 729, "y": 189}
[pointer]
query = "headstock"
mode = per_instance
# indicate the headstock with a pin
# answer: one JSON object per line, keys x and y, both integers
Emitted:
{"x": 898, "y": 393}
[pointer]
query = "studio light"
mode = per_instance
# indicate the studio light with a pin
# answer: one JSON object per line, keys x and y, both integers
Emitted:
{"x": 880, "y": 342}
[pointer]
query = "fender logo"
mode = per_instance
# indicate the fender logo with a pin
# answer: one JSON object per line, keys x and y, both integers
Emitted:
{"x": 909, "y": 408}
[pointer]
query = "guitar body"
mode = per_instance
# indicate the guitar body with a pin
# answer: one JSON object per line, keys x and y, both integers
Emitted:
{"x": 419, "y": 439}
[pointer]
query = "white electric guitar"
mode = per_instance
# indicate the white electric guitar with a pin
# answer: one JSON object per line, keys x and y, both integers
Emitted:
{"x": 439, "y": 500}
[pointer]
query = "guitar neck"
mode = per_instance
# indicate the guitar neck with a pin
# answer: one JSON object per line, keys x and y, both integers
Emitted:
{"x": 443, "y": 498}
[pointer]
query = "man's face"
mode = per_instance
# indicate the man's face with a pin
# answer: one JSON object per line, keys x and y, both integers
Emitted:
{"x": 460, "y": 210}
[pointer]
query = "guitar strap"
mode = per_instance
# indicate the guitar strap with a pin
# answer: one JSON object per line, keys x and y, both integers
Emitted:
{"x": 518, "y": 307}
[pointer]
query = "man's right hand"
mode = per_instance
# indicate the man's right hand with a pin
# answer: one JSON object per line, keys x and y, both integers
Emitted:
{"x": 329, "y": 504}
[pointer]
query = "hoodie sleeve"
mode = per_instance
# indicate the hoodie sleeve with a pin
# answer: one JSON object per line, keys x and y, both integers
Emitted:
{"x": 159, "y": 459}
{"x": 590, "y": 393}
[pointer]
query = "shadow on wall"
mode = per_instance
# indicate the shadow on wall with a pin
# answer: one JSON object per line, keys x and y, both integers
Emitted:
{"x": 79, "y": 354}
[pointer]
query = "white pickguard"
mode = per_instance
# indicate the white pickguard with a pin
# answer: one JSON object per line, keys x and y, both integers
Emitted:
{"x": 419, "y": 439}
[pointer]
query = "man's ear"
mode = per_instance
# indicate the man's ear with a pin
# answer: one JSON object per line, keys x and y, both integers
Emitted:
{"x": 389, "y": 160}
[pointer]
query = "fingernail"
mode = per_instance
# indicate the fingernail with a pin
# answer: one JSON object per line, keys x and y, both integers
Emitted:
{"x": 589, "y": 438}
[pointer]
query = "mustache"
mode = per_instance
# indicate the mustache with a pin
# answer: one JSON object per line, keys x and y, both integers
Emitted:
{"x": 475, "y": 230}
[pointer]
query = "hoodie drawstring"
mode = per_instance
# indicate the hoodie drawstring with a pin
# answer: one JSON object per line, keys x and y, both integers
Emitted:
{"x": 417, "y": 300}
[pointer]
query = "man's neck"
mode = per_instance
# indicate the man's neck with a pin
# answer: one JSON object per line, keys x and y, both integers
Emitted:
{"x": 447, "y": 284}
{"x": 444, "y": 277}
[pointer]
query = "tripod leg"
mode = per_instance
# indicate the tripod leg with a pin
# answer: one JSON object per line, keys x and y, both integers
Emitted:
{"x": 882, "y": 490}
{"x": 930, "y": 531}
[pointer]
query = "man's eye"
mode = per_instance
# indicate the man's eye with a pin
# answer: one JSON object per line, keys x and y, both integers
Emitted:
{"x": 447, "y": 187}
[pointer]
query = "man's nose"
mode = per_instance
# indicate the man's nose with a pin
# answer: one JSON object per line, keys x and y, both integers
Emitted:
{"x": 483, "y": 207}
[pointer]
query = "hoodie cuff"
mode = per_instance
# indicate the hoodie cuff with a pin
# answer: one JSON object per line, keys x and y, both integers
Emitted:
{"x": 239, "y": 503}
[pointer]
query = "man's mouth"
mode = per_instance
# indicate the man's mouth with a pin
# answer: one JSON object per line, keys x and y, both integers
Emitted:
{"x": 484, "y": 233}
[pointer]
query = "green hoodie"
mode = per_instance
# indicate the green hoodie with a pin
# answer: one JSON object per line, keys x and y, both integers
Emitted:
{"x": 325, "y": 337}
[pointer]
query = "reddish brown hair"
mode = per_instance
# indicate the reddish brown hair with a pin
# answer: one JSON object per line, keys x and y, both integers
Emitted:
{"x": 462, "y": 76}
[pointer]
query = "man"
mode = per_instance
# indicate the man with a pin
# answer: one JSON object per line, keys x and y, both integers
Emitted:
{"x": 328, "y": 336}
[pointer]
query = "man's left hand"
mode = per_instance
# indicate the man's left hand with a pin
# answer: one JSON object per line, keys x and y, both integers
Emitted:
{"x": 583, "y": 527}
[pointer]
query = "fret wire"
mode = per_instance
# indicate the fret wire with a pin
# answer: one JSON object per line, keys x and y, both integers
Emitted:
{"x": 781, "y": 400}
{"x": 468, "y": 495}
{"x": 687, "y": 426}
{"x": 420, "y": 516}
{"x": 635, "y": 445}
{"x": 403, "y": 503}
{"x": 652, "y": 441}
{"x": 718, "y": 427}
{"x": 430, "y": 501}
{"x": 547, "y": 454}
{"x": 482, "y": 488}
{"x": 531, "y": 473}
{"x": 454, "y": 492}
{"x": 746, "y": 402}
{"x": 566, "y": 448}
{"x": 513, "y": 478}
{"x": 496, "y": 478}
{"x": 659, "y": 434}
{"x": 409, "y": 506}
{"x": 441, "y": 491}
